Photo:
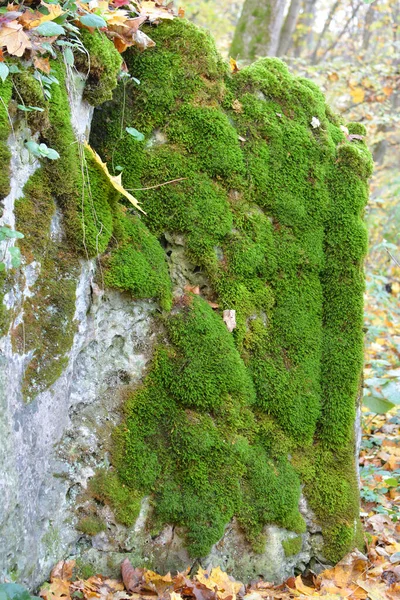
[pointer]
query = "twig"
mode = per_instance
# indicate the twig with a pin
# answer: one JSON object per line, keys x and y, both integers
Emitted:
{"x": 393, "y": 258}
{"x": 152, "y": 187}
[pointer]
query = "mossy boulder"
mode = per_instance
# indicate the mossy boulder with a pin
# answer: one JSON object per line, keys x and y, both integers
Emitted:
{"x": 253, "y": 197}
{"x": 255, "y": 177}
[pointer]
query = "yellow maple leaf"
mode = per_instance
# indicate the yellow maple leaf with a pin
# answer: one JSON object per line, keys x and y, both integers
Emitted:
{"x": 358, "y": 94}
{"x": 55, "y": 11}
{"x": 115, "y": 180}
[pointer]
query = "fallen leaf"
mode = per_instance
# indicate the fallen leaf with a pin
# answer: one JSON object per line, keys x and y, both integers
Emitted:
{"x": 358, "y": 94}
{"x": 14, "y": 38}
{"x": 115, "y": 180}
{"x": 43, "y": 64}
{"x": 63, "y": 570}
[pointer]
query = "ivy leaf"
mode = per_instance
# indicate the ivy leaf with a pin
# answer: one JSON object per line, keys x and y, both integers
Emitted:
{"x": 93, "y": 21}
{"x": 135, "y": 133}
{"x": 49, "y": 28}
{"x": 4, "y": 71}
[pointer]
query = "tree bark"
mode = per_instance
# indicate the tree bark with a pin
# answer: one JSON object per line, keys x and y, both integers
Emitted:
{"x": 307, "y": 19}
{"x": 314, "y": 57}
{"x": 258, "y": 30}
{"x": 286, "y": 37}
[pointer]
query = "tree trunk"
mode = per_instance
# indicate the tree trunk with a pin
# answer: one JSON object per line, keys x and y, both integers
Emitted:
{"x": 258, "y": 30}
{"x": 286, "y": 37}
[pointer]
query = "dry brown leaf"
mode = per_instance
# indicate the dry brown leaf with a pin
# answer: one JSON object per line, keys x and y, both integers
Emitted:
{"x": 220, "y": 581}
{"x": 233, "y": 65}
{"x": 14, "y": 38}
{"x": 43, "y": 64}
{"x": 63, "y": 570}
{"x": 57, "y": 590}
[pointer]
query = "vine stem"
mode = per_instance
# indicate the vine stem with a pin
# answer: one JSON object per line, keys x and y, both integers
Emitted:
{"x": 152, "y": 187}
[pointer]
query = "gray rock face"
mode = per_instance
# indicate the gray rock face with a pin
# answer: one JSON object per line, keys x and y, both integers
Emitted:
{"x": 51, "y": 446}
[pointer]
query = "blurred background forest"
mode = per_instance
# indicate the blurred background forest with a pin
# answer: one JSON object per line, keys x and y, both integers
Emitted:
{"x": 351, "y": 49}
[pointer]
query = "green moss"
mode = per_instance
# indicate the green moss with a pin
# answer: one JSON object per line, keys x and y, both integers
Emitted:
{"x": 91, "y": 525}
{"x": 269, "y": 209}
{"x": 331, "y": 489}
{"x": 5, "y": 130}
{"x": 186, "y": 438}
{"x": 137, "y": 264}
{"x": 292, "y": 545}
{"x": 84, "y": 570}
{"x": 107, "y": 488}
{"x": 103, "y": 65}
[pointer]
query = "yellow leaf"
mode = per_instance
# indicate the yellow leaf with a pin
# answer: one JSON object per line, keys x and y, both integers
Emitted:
{"x": 217, "y": 579}
{"x": 358, "y": 94}
{"x": 114, "y": 180}
{"x": 55, "y": 11}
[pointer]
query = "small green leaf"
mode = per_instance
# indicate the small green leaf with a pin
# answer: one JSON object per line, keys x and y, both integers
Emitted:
{"x": 2, "y": 267}
{"x": 4, "y": 71}
{"x": 49, "y": 28}
{"x": 14, "y": 235}
{"x": 391, "y": 482}
{"x": 14, "y": 69}
{"x": 135, "y": 133}
{"x": 30, "y": 108}
{"x": 69, "y": 57}
{"x": 52, "y": 154}
{"x": 378, "y": 405}
{"x": 93, "y": 21}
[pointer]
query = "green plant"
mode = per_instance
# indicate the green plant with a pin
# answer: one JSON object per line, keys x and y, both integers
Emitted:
{"x": 41, "y": 150}
{"x": 14, "y": 591}
{"x": 6, "y": 235}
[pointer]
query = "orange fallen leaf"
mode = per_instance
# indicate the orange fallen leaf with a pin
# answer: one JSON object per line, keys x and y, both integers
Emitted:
{"x": 43, "y": 64}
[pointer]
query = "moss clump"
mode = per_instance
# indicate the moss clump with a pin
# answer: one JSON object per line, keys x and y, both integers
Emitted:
{"x": 103, "y": 65}
{"x": 137, "y": 263}
{"x": 293, "y": 545}
{"x": 48, "y": 328}
{"x": 91, "y": 525}
{"x": 5, "y": 129}
{"x": 107, "y": 488}
{"x": 190, "y": 438}
{"x": 331, "y": 488}
{"x": 269, "y": 209}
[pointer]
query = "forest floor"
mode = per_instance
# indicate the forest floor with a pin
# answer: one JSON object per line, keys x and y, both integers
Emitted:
{"x": 374, "y": 575}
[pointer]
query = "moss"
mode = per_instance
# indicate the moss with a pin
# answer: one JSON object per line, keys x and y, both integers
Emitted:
{"x": 107, "y": 488}
{"x": 270, "y": 211}
{"x": 48, "y": 328}
{"x": 137, "y": 264}
{"x": 292, "y": 545}
{"x": 103, "y": 65}
{"x": 91, "y": 525}
{"x": 83, "y": 570}
{"x": 5, "y": 129}
{"x": 331, "y": 489}
{"x": 186, "y": 438}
